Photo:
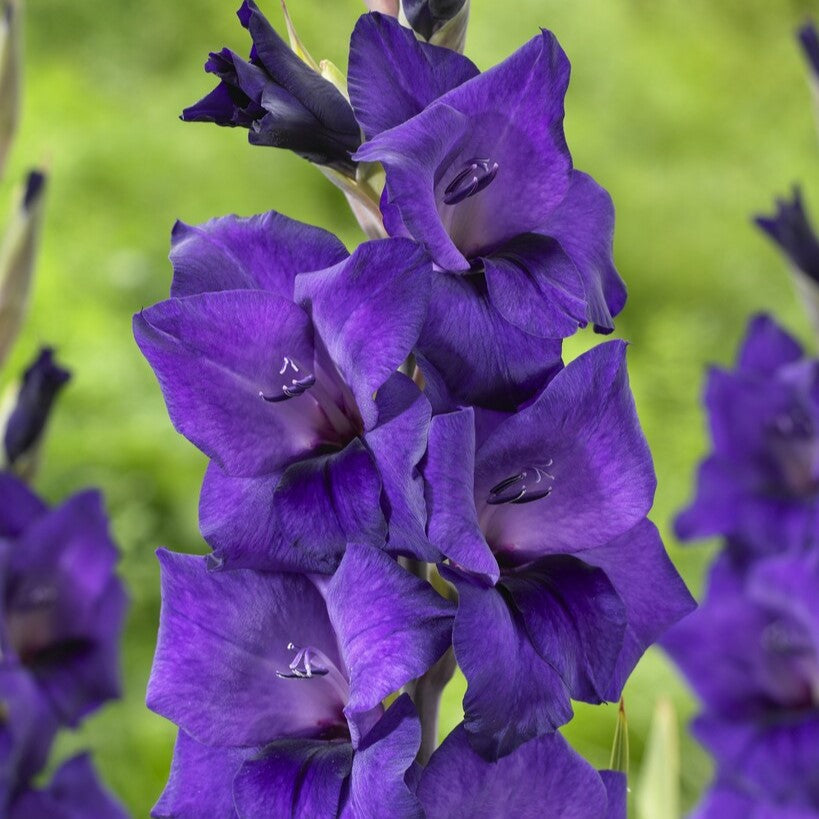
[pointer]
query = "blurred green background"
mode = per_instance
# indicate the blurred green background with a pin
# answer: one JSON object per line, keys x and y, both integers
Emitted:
{"x": 693, "y": 113}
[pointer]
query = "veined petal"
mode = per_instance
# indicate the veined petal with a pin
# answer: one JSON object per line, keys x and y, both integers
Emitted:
{"x": 459, "y": 782}
{"x": 393, "y": 76}
{"x": 391, "y": 625}
{"x": 201, "y": 781}
{"x": 213, "y": 354}
{"x": 369, "y": 311}
{"x": 264, "y": 252}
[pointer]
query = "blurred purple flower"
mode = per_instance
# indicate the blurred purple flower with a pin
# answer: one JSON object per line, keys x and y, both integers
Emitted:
{"x": 287, "y": 381}
{"x": 544, "y": 526}
{"x": 277, "y": 682}
{"x": 760, "y": 484}
{"x": 281, "y": 100}
{"x": 42, "y": 382}
{"x": 751, "y": 652}
{"x": 63, "y": 604}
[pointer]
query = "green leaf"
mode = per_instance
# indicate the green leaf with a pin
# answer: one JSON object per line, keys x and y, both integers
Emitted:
{"x": 658, "y": 787}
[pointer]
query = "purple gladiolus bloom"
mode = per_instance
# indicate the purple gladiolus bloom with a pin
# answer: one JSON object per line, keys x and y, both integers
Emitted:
{"x": 478, "y": 171}
{"x": 277, "y": 683}
{"x": 544, "y": 777}
{"x": 751, "y": 652}
{"x": 760, "y": 485}
{"x": 288, "y": 382}
{"x": 281, "y": 100}
{"x": 809, "y": 39}
{"x": 63, "y": 604}
{"x": 42, "y": 382}
{"x": 542, "y": 517}
{"x": 791, "y": 229}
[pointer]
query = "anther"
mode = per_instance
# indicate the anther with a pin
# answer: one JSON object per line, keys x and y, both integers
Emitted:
{"x": 530, "y": 484}
{"x": 296, "y": 387}
{"x": 305, "y": 664}
{"x": 473, "y": 178}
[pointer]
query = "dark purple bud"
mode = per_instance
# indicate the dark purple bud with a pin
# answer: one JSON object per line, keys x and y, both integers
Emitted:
{"x": 791, "y": 229}
{"x": 279, "y": 98}
{"x": 809, "y": 38}
{"x": 42, "y": 382}
{"x": 429, "y": 16}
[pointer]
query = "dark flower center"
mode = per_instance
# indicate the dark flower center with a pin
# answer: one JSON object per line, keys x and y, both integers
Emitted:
{"x": 333, "y": 417}
{"x": 794, "y": 447}
{"x": 476, "y": 175}
{"x": 530, "y": 484}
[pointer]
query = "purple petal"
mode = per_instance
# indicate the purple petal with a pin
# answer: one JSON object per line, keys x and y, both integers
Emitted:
{"x": 616, "y": 785}
{"x": 26, "y": 733}
{"x": 582, "y": 438}
{"x": 214, "y": 354}
{"x": 222, "y": 638}
{"x": 449, "y": 477}
{"x": 583, "y": 223}
{"x": 779, "y": 760}
{"x": 369, "y": 311}
{"x": 200, "y": 782}
{"x": 323, "y": 502}
{"x": 412, "y": 154}
{"x": 470, "y": 354}
{"x": 517, "y": 696}
{"x": 536, "y": 287}
{"x": 380, "y": 766}
{"x": 263, "y": 252}
{"x": 651, "y": 608}
{"x": 574, "y": 619}
{"x": 73, "y": 793}
{"x": 392, "y": 76}
{"x": 20, "y": 507}
{"x": 294, "y": 778}
{"x": 767, "y": 347}
{"x": 398, "y": 443}
{"x": 391, "y": 625}
{"x": 544, "y": 777}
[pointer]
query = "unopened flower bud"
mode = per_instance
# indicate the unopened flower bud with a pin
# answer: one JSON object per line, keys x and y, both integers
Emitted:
{"x": 441, "y": 22}
{"x": 790, "y": 228}
{"x": 18, "y": 253}
{"x": 10, "y": 61}
{"x": 42, "y": 382}
{"x": 384, "y": 6}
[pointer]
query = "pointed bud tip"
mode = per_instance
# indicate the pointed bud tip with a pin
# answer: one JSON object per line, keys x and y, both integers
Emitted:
{"x": 35, "y": 185}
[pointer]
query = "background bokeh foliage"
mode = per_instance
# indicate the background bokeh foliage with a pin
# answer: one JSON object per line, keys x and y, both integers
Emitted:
{"x": 693, "y": 114}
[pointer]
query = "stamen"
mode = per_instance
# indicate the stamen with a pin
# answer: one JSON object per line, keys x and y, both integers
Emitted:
{"x": 530, "y": 484}
{"x": 306, "y": 664}
{"x": 473, "y": 178}
{"x": 296, "y": 387}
